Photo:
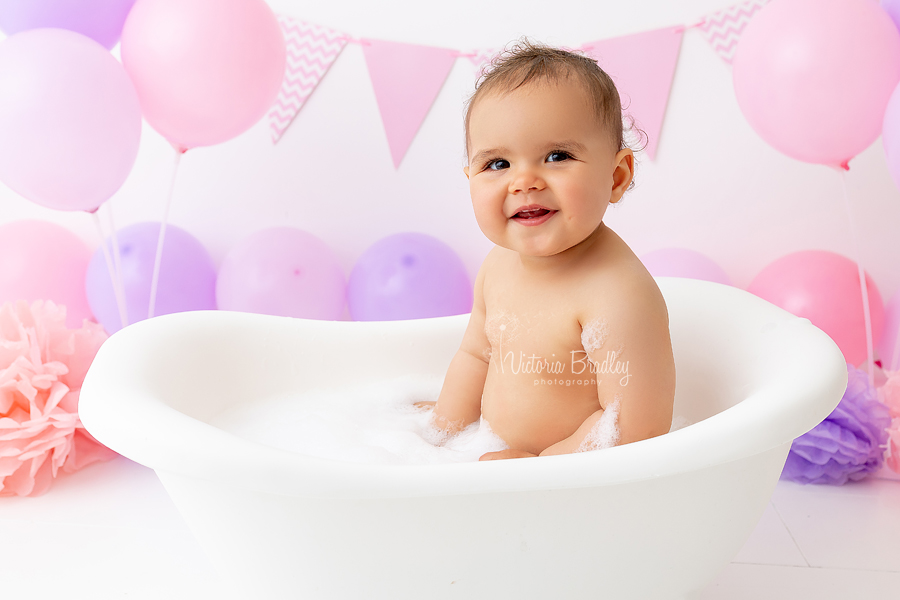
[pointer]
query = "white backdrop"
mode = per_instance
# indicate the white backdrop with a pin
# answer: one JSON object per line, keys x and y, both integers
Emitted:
{"x": 714, "y": 186}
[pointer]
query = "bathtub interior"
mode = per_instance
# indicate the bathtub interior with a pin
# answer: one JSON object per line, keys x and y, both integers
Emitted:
{"x": 729, "y": 346}
{"x": 216, "y": 364}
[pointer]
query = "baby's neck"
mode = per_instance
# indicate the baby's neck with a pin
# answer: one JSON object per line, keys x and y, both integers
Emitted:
{"x": 569, "y": 258}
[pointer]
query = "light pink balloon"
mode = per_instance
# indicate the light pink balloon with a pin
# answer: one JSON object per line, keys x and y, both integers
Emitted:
{"x": 824, "y": 287}
{"x": 813, "y": 77}
{"x": 43, "y": 261}
{"x": 282, "y": 271}
{"x": 205, "y": 70}
{"x": 70, "y": 120}
{"x": 682, "y": 262}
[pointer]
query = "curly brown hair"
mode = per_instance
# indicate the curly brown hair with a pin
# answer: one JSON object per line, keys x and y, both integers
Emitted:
{"x": 528, "y": 61}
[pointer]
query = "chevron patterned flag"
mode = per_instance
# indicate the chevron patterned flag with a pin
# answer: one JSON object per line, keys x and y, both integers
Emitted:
{"x": 310, "y": 51}
{"x": 482, "y": 56}
{"x": 723, "y": 29}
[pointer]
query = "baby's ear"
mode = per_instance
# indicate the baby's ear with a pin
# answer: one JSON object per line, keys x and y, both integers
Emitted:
{"x": 466, "y": 171}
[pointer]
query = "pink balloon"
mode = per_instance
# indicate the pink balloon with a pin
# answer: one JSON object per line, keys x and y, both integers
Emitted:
{"x": 891, "y": 136}
{"x": 824, "y": 287}
{"x": 887, "y": 347}
{"x": 813, "y": 77}
{"x": 282, "y": 271}
{"x": 43, "y": 261}
{"x": 70, "y": 120}
{"x": 682, "y": 262}
{"x": 205, "y": 70}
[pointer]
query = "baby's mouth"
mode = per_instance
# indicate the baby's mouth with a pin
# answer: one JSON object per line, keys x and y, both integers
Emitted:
{"x": 532, "y": 215}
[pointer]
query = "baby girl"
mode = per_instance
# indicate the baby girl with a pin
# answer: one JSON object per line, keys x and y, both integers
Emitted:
{"x": 567, "y": 325}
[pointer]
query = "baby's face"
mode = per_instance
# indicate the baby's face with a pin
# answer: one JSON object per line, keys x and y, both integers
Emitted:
{"x": 542, "y": 170}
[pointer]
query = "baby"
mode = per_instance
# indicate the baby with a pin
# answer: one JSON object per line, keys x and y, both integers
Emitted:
{"x": 567, "y": 325}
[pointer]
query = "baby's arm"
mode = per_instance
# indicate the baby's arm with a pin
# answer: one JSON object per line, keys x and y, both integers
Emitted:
{"x": 459, "y": 403}
{"x": 637, "y": 336}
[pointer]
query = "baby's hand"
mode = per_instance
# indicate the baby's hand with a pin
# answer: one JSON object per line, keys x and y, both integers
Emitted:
{"x": 424, "y": 404}
{"x": 506, "y": 454}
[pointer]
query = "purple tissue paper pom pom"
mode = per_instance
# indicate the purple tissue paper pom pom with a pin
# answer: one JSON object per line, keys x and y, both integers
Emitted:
{"x": 848, "y": 444}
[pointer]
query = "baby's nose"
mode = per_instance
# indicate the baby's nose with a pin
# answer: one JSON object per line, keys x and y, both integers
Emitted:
{"x": 526, "y": 181}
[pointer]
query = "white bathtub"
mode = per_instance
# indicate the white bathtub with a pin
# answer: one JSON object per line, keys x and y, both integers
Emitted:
{"x": 651, "y": 520}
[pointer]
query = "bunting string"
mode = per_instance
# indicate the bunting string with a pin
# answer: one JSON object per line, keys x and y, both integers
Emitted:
{"x": 407, "y": 78}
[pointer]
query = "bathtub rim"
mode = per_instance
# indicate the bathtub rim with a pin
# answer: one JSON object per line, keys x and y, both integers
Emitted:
{"x": 152, "y": 433}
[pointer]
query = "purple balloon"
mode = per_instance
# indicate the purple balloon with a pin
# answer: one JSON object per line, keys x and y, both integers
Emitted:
{"x": 101, "y": 20}
{"x": 282, "y": 271}
{"x": 408, "y": 276}
{"x": 892, "y": 8}
{"x": 187, "y": 275}
{"x": 681, "y": 262}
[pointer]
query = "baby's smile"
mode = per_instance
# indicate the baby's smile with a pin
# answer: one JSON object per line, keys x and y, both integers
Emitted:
{"x": 533, "y": 214}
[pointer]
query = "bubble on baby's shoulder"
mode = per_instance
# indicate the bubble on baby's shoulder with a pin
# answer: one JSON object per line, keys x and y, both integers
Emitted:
{"x": 594, "y": 334}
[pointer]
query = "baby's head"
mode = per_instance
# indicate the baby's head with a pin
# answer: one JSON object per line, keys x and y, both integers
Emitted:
{"x": 527, "y": 62}
{"x": 545, "y": 148}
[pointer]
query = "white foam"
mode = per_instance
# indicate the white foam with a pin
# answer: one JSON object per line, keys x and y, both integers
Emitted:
{"x": 605, "y": 432}
{"x": 374, "y": 423}
{"x": 594, "y": 334}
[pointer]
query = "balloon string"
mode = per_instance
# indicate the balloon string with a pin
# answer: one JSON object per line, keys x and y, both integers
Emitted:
{"x": 109, "y": 267}
{"x": 162, "y": 236}
{"x": 870, "y": 355}
{"x": 117, "y": 261}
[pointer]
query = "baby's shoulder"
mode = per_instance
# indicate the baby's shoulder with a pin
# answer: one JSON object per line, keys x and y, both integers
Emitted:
{"x": 623, "y": 289}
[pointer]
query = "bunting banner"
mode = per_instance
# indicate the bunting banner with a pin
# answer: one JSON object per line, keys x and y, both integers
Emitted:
{"x": 723, "y": 29}
{"x": 642, "y": 66}
{"x": 407, "y": 78}
{"x": 483, "y": 56}
{"x": 310, "y": 51}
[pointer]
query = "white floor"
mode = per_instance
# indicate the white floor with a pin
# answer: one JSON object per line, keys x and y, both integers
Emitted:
{"x": 110, "y": 531}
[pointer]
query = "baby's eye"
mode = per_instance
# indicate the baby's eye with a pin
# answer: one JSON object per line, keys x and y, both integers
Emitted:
{"x": 497, "y": 165}
{"x": 557, "y": 156}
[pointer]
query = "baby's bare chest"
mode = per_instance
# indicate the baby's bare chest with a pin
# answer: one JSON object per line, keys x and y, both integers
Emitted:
{"x": 533, "y": 333}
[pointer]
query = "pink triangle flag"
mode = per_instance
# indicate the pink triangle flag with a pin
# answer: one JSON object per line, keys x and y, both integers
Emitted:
{"x": 723, "y": 29}
{"x": 310, "y": 51}
{"x": 406, "y": 79}
{"x": 642, "y": 66}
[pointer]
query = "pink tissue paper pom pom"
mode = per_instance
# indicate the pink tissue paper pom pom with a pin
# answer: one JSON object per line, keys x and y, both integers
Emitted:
{"x": 889, "y": 394}
{"x": 893, "y": 453}
{"x": 42, "y": 366}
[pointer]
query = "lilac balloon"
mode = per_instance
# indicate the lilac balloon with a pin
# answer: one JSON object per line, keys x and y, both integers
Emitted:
{"x": 282, "y": 271}
{"x": 187, "y": 275}
{"x": 892, "y": 8}
{"x": 101, "y": 20}
{"x": 70, "y": 119}
{"x": 408, "y": 276}
{"x": 681, "y": 262}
